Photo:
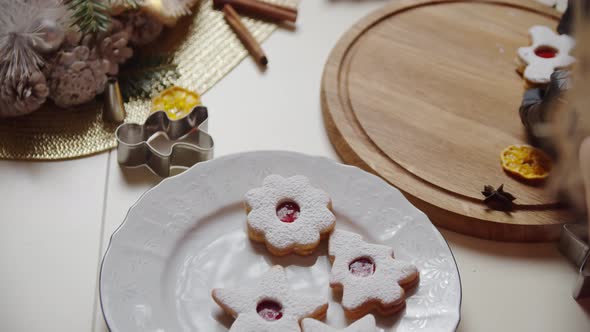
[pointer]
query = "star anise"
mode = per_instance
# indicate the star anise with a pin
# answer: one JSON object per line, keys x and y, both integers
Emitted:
{"x": 498, "y": 199}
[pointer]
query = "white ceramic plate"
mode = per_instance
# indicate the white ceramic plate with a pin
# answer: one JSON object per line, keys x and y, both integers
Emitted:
{"x": 187, "y": 235}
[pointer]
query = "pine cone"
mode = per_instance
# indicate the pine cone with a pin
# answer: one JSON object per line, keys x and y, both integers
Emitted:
{"x": 114, "y": 49}
{"x": 72, "y": 39}
{"x": 24, "y": 96}
{"x": 76, "y": 76}
{"x": 141, "y": 26}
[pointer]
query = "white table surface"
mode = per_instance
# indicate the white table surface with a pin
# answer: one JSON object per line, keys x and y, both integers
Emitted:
{"x": 56, "y": 217}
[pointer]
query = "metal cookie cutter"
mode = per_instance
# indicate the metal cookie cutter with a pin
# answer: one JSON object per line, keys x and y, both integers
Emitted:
{"x": 573, "y": 243}
{"x": 161, "y": 143}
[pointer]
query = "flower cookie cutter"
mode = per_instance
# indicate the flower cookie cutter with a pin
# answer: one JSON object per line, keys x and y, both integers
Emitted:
{"x": 162, "y": 144}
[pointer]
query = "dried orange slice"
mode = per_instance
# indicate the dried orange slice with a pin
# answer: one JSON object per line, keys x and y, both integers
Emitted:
{"x": 526, "y": 162}
{"x": 176, "y": 102}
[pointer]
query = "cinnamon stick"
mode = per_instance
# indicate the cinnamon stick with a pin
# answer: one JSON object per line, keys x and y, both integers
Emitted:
{"x": 289, "y": 9}
{"x": 260, "y": 9}
{"x": 233, "y": 19}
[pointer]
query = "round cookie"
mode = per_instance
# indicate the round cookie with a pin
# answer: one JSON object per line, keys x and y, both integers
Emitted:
{"x": 549, "y": 51}
{"x": 288, "y": 215}
{"x": 368, "y": 275}
{"x": 270, "y": 306}
{"x": 365, "y": 324}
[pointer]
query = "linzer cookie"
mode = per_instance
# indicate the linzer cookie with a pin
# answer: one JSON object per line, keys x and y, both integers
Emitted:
{"x": 270, "y": 306}
{"x": 365, "y": 324}
{"x": 368, "y": 275}
{"x": 289, "y": 215}
{"x": 549, "y": 51}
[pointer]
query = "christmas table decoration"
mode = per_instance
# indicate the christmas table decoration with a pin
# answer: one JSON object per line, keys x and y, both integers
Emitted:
{"x": 526, "y": 163}
{"x": 70, "y": 57}
{"x": 176, "y": 102}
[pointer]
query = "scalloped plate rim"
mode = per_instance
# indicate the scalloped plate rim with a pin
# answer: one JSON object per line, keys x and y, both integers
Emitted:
{"x": 257, "y": 153}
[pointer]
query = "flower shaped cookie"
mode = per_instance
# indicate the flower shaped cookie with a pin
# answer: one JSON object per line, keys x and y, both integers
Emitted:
{"x": 288, "y": 215}
{"x": 368, "y": 275}
{"x": 549, "y": 51}
{"x": 365, "y": 324}
{"x": 270, "y": 306}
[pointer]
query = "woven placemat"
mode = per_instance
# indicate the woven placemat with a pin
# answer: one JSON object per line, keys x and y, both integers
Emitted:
{"x": 205, "y": 50}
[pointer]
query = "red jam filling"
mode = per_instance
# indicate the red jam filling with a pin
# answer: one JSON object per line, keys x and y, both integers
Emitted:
{"x": 269, "y": 310}
{"x": 362, "y": 267}
{"x": 546, "y": 52}
{"x": 288, "y": 211}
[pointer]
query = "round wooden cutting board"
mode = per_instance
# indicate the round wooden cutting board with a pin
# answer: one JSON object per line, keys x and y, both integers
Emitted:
{"x": 426, "y": 95}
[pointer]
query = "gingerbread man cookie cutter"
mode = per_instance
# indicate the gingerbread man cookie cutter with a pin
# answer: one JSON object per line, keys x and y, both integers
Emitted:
{"x": 549, "y": 51}
{"x": 162, "y": 144}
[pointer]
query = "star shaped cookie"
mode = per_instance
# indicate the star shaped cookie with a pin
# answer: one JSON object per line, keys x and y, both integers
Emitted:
{"x": 270, "y": 306}
{"x": 365, "y": 324}
{"x": 368, "y": 275}
{"x": 549, "y": 51}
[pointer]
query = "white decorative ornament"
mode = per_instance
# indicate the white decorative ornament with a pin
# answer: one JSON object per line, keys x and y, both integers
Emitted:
{"x": 49, "y": 37}
{"x": 368, "y": 274}
{"x": 365, "y": 324}
{"x": 288, "y": 214}
{"x": 549, "y": 51}
{"x": 270, "y": 306}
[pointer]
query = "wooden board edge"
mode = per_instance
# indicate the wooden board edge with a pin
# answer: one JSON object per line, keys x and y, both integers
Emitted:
{"x": 450, "y": 220}
{"x": 446, "y": 218}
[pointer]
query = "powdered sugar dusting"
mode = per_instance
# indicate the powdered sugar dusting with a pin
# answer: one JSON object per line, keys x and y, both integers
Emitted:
{"x": 314, "y": 216}
{"x": 365, "y": 324}
{"x": 273, "y": 286}
{"x": 382, "y": 285}
{"x": 539, "y": 69}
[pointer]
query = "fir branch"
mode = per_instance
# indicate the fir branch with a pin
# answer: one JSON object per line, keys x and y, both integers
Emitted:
{"x": 91, "y": 16}
{"x": 133, "y": 4}
{"x": 143, "y": 77}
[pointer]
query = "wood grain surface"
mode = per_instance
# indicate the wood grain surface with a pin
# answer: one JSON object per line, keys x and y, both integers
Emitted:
{"x": 425, "y": 94}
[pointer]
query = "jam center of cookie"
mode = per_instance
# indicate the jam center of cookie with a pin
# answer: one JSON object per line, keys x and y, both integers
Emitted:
{"x": 288, "y": 211}
{"x": 546, "y": 52}
{"x": 269, "y": 310}
{"x": 362, "y": 267}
